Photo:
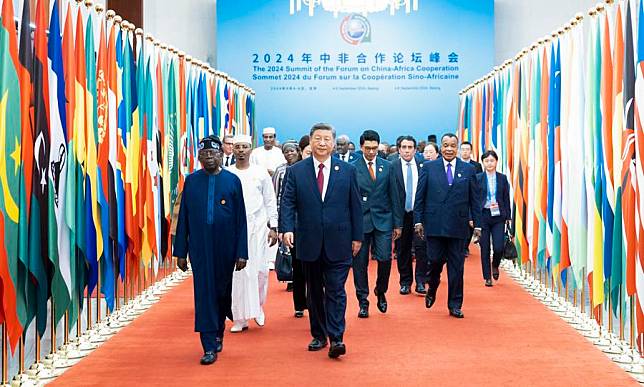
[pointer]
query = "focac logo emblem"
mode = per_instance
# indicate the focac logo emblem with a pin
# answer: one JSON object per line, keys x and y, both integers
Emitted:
{"x": 355, "y": 29}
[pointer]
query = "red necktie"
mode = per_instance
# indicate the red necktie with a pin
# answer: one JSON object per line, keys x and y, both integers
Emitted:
{"x": 320, "y": 178}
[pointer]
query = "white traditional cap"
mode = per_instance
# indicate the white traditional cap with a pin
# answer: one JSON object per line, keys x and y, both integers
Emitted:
{"x": 268, "y": 130}
{"x": 242, "y": 138}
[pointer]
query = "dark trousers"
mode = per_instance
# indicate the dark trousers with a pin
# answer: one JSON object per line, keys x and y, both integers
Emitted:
{"x": 326, "y": 296}
{"x": 299, "y": 283}
{"x": 209, "y": 339}
{"x": 404, "y": 244}
{"x": 492, "y": 227}
{"x": 379, "y": 242}
{"x": 442, "y": 250}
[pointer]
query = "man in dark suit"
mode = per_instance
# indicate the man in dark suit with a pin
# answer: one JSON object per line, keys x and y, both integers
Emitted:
{"x": 447, "y": 196}
{"x": 396, "y": 155}
{"x": 342, "y": 149}
{"x": 228, "y": 158}
{"x": 382, "y": 213}
{"x": 466, "y": 155}
{"x": 321, "y": 192}
{"x": 405, "y": 172}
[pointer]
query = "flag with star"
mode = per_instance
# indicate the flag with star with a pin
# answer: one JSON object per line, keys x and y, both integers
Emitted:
{"x": 10, "y": 136}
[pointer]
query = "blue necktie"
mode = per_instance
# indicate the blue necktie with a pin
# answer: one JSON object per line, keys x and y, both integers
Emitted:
{"x": 450, "y": 176}
{"x": 409, "y": 189}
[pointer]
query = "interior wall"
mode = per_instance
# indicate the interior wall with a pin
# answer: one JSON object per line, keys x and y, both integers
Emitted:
{"x": 189, "y": 26}
{"x": 519, "y": 23}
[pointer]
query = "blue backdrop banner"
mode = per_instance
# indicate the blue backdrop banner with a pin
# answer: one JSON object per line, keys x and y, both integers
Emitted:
{"x": 397, "y": 74}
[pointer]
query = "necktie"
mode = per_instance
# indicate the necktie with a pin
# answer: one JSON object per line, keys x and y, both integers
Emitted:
{"x": 320, "y": 178}
{"x": 409, "y": 188}
{"x": 371, "y": 171}
{"x": 227, "y": 164}
{"x": 450, "y": 176}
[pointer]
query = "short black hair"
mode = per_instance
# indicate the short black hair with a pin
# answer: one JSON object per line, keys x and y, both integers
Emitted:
{"x": 369, "y": 135}
{"x": 467, "y": 143}
{"x": 449, "y": 135}
{"x": 322, "y": 126}
{"x": 489, "y": 153}
{"x": 399, "y": 140}
{"x": 406, "y": 138}
{"x": 432, "y": 138}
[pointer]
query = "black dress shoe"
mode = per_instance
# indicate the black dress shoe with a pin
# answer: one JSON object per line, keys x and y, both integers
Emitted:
{"x": 420, "y": 289}
{"x": 299, "y": 314}
{"x": 317, "y": 344}
{"x": 382, "y": 302}
{"x": 405, "y": 289}
{"x": 488, "y": 282}
{"x": 495, "y": 273}
{"x": 220, "y": 345}
{"x": 430, "y": 298}
{"x": 364, "y": 312}
{"x": 456, "y": 313}
{"x": 337, "y": 349}
{"x": 208, "y": 358}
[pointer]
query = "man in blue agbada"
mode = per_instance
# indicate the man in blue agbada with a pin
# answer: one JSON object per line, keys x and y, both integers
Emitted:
{"x": 211, "y": 230}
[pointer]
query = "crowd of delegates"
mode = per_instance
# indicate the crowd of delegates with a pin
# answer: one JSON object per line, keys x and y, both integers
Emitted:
{"x": 336, "y": 208}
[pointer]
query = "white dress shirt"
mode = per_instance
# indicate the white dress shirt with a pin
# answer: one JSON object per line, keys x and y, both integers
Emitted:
{"x": 326, "y": 171}
{"x": 344, "y": 157}
{"x": 414, "y": 174}
{"x": 373, "y": 165}
{"x": 453, "y": 162}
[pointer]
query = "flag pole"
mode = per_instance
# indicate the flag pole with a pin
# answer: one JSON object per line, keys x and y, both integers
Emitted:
{"x": 632, "y": 322}
{"x": 117, "y": 305}
{"x": 98, "y": 294}
{"x": 621, "y": 314}
{"x": 566, "y": 290}
{"x": 88, "y": 299}
{"x": 583, "y": 287}
{"x": 21, "y": 349}
{"x": 53, "y": 328}
{"x": 37, "y": 337}
{"x": 5, "y": 355}
{"x": 610, "y": 308}
{"x": 66, "y": 333}
{"x": 79, "y": 321}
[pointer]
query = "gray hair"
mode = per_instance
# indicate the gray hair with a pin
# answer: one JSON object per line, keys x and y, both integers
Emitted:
{"x": 322, "y": 126}
{"x": 343, "y": 137}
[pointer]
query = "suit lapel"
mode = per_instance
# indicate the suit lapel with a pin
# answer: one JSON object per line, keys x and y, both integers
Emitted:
{"x": 441, "y": 166}
{"x": 397, "y": 165}
{"x": 313, "y": 178}
{"x": 335, "y": 169}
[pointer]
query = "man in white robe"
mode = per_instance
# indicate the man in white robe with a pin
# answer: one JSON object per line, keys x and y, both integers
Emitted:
{"x": 250, "y": 285}
{"x": 269, "y": 156}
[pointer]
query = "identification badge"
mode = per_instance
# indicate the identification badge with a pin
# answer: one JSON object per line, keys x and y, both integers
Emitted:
{"x": 494, "y": 209}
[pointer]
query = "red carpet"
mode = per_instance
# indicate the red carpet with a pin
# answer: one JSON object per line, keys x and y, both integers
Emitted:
{"x": 506, "y": 338}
